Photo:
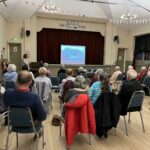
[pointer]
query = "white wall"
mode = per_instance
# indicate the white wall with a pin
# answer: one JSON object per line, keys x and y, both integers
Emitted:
{"x": 3, "y": 35}
{"x": 37, "y": 22}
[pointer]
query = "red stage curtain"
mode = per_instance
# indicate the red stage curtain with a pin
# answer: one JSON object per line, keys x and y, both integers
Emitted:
{"x": 49, "y": 42}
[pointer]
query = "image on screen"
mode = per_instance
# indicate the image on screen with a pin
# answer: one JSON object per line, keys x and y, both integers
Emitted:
{"x": 72, "y": 54}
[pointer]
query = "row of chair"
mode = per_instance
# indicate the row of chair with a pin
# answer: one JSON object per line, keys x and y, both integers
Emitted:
{"x": 20, "y": 120}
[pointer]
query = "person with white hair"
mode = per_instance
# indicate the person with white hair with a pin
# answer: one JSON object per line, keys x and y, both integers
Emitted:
{"x": 148, "y": 72}
{"x": 96, "y": 88}
{"x": 81, "y": 70}
{"x": 127, "y": 89}
{"x": 114, "y": 77}
{"x": 42, "y": 77}
{"x": 142, "y": 74}
{"x": 48, "y": 72}
{"x": 11, "y": 75}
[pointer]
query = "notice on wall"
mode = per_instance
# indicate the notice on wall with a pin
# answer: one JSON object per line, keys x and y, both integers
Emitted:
{"x": 15, "y": 49}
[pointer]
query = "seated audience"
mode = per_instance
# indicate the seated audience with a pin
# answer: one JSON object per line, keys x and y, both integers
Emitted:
{"x": 11, "y": 75}
{"x": 61, "y": 70}
{"x": 42, "y": 77}
{"x": 148, "y": 72}
{"x": 80, "y": 88}
{"x": 127, "y": 89}
{"x": 130, "y": 68}
{"x": 114, "y": 77}
{"x": 48, "y": 72}
{"x": 81, "y": 70}
{"x": 69, "y": 77}
{"x": 4, "y": 67}
{"x": 95, "y": 77}
{"x": 142, "y": 74}
{"x": 22, "y": 97}
{"x": 25, "y": 67}
{"x": 96, "y": 88}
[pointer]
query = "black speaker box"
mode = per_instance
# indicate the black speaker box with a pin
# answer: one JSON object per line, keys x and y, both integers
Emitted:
{"x": 116, "y": 39}
{"x": 28, "y": 33}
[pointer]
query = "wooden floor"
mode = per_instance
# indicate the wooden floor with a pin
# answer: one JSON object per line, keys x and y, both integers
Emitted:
{"x": 137, "y": 140}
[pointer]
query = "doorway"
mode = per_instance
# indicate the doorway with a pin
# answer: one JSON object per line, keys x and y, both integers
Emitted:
{"x": 15, "y": 54}
{"x": 121, "y": 58}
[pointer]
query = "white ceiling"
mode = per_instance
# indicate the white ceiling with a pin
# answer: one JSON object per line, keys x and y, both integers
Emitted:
{"x": 23, "y": 9}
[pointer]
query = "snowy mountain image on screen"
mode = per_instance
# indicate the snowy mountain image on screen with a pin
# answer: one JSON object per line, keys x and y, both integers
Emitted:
{"x": 73, "y": 55}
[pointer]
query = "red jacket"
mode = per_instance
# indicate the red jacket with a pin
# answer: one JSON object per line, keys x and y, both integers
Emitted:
{"x": 79, "y": 117}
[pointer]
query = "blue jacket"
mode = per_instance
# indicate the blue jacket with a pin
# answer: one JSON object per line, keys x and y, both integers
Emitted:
{"x": 20, "y": 98}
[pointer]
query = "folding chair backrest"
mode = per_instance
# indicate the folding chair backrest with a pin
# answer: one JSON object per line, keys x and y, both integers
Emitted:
{"x": 62, "y": 76}
{"x": 54, "y": 80}
{"x": 146, "y": 81}
{"x": 10, "y": 85}
{"x": 84, "y": 74}
{"x": 136, "y": 99}
{"x": 120, "y": 77}
{"x": 20, "y": 117}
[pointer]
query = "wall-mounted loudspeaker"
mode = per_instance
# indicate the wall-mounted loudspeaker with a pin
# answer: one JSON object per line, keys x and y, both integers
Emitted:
{"x": 116, "y": 39}
{"x": 28, "y": 33}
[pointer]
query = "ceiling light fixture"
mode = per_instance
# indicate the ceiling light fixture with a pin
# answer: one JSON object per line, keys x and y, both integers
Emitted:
{"x": 50, "y": 6}
{"x": 129, "y": 15}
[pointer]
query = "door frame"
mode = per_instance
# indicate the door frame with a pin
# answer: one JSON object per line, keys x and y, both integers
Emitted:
{"x": 8, "y": 54}
{"x": 124, "y": 63}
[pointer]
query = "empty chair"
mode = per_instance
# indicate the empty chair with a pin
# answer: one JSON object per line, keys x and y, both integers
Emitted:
{"x": 135, "y": 104}
{"x": 62, "y": 76}
{"x": 20, "y": 120}
{"x": 55, "y": 83}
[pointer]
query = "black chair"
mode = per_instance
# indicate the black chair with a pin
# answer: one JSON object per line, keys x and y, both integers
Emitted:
{"x": 84, "y": 74}
{"x": 20, "y": 120}
{"x": 55, "y": 83}
{"x": 10, "y": 85}
{"x": 62, "y": 76}
{"x": 120, "y": 77}
{"x": 146, "y": 85}
{"x": 135, "y": 104}
{"x": 3, "y": 116}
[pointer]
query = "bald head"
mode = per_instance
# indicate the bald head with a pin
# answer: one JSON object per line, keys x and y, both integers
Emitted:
{"x": 24, "y": 77}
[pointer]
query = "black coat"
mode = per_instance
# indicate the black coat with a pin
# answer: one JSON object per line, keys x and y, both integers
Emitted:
{"x": 127, "y": 89}
{"x": 107, "y": 112}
